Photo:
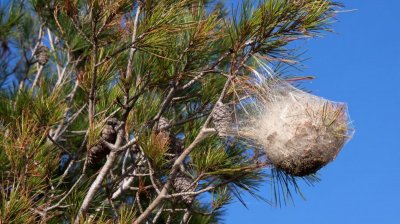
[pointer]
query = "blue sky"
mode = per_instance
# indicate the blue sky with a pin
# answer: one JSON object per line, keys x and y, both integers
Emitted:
{"x": 359, "y": 64}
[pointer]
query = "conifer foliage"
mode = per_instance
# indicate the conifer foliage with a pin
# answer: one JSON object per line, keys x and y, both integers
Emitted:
{"x": 115, "y": 111}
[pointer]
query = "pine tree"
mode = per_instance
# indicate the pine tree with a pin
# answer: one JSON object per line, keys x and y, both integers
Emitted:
{"x": 116, "y": 110}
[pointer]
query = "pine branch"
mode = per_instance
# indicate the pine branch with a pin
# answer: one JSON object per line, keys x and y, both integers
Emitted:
{"x": 204, "y": 133}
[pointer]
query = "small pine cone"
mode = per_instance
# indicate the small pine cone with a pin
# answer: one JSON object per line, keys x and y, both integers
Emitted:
{"x": 97, "y": 153}
{"x": 163, "y": 123}
{"x": 222, "y": 119}
{"x": 42, "y": 55}
{"x": 182, "y": 184}
{"x": 109, "y": 132}
{"x": 175, "y": 144}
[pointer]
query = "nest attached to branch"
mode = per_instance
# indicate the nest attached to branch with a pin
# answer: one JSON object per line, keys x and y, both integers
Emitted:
{"x": 299, "y": 132}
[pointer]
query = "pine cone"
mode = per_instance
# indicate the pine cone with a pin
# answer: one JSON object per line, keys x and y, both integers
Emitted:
{"x": 109, "y": 133}
{"x": 182, "y": 184}
{"x": 42, "y": 55}
{"x": 97, "y": 153}
{"x": 222, "y": 119}
{"x": 162, "y": 124}
{"x": 175, "y": 144}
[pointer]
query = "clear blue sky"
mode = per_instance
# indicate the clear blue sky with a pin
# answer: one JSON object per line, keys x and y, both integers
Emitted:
{"x": 359, "y": 65}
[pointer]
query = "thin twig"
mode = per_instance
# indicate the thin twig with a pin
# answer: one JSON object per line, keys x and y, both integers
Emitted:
{"x": 138, "y": 202}
{"x": 80, "y": 31}
{"x": 152, "y": 178}
{"x": 127, "y": 154}
{"x": 117, "y": 148}
{"x": 67, "y": 170}
{"x": 186, "y": 217}
{"x": 37, "y": 77}
{"x": 208, "y": 70}
{"x": 67, "y": 194}
{"x": 58, "y": 145}
{"x": 63, "y": 126}
{"x": 133, "y": 48}
{"x": 157, "y": 216}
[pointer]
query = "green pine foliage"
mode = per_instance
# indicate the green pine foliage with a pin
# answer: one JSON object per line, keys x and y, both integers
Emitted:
{"x": 142, "y": 62}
